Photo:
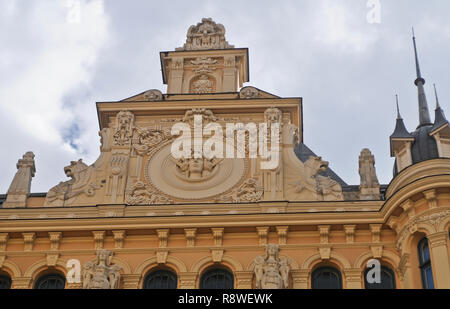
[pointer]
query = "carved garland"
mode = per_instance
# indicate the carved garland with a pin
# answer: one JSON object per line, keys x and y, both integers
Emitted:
{"x": 434, "y": 219}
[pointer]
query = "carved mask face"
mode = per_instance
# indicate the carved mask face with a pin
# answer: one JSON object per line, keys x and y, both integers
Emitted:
{"x": 196, "y": 165}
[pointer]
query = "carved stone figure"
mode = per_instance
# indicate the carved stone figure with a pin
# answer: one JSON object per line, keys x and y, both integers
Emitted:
{"x": 203, "y": 84}
{"x": 326, "y": 188}
{"x": 138, "y": 194}
{"x": 370, "y": 187}
{"x": 124, "y": 128}
{"x": 249, "y": 191}
{"x": 271, "y": 271}
{"x": 249, "y": 93}
{"x": 100, "y": 274}
{"x": 153, "y": 95}
{"x": 64, "y": 191}
{"x": 105, "y": 143}
{"x": 273, "y": 115}
{"x": 196, "y": 168}
{"x": 206, "y": 35}
{"x": 20, "y": 186}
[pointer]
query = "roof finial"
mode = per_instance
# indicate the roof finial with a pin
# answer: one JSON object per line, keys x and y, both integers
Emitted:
{"x": 437, "y": 98}
{"x": 398, "y": 108}
{"x": 424, "y": 114}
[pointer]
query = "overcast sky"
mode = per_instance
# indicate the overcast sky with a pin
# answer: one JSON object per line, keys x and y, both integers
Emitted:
{"x": 56, "y": 61}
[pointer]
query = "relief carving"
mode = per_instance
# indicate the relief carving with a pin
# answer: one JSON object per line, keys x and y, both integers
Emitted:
{"x": 249, "y": 93}
{"x": 326, "y": 188}
{"x": 63, "y": 193}
{"x": 204, "y": 65}
{"x": 124, "y": 128}
{"x": 203, "y": 84}
{"x": 153, "y": 95}
{"x": 272, "y": 271}
{"x": 249, "y": 191}
{"x": 207, "y": 116}
{"x": 196, "y": 168}
{"x": 206, "y": 35}
{"x": 148, "y": 138}
{"x": 100, "y": 274}
{"x": 138, "y": 194}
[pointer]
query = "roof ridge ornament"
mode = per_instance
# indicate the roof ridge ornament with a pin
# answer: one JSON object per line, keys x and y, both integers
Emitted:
{"x": 205, "y": 35}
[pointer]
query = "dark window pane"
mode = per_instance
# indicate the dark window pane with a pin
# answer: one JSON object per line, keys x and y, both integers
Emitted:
{"x": 326, "y": 278}
{"x": 217, "y": 279}
{"x": 425, "y": 264}
{"x": 5, "y": 283}
{"x": 50, "y": 282}
{"x": 161, "y": 279}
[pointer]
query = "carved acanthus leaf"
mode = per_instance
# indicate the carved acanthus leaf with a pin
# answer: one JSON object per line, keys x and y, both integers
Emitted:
{"x": 138, "y": 194}
{"x": 249, "y": 191}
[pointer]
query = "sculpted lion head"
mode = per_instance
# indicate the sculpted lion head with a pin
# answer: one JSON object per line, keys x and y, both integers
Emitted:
{"x": 316, "y": 164}
{"x": 75, "y": 168}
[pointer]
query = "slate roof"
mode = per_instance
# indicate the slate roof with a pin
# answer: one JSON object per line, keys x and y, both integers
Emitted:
{"x": 303, "y": 153}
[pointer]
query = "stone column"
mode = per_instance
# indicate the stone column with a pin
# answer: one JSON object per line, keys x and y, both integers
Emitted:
{"x": 440, "y": 259}
{"x": 187, "y": 280}
{"x": 19, "y": 190}
{"x": 21, "y": 283}
{"x": 300, "y": 277}
{"x": 353, "y": 278}
{"x": 131, "y": 281}
{"x": 244, "y": 280}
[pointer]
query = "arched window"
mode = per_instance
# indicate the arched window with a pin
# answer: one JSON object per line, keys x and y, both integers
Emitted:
{"x": 160, "y": 279}
{"x": 326, "y": 278}
{"x": 425, "y": 264}
{"x": 387, "y": 279}
{"x": 52, "y": 281}
{"x": 5, "y": 283}
{"x": 217, "y": 278}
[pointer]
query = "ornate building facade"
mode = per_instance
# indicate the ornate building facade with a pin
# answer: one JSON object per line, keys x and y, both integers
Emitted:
{"x": 139, "y": 217}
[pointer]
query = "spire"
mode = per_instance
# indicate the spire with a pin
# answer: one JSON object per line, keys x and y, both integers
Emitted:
{"x": 439, "y": 118}
{"x": 400, "y": 129}
{"x": 424, "y": 114}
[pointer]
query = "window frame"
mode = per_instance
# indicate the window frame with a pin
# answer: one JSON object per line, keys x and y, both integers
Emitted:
{"x": 159, "y": 273}
{"x": 210, "y": 272}
{"x": 323, "y": 269}
{"x": 425, "y": 264}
